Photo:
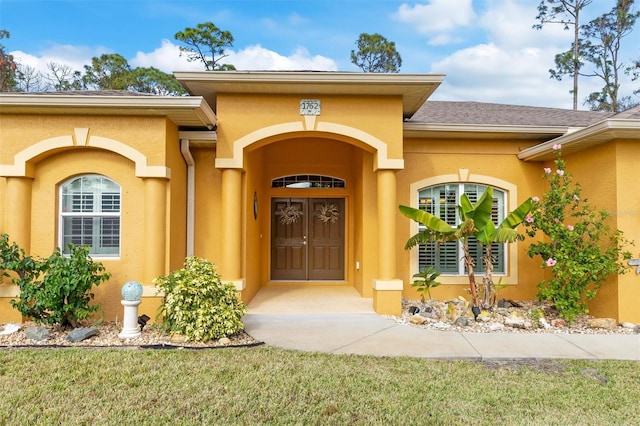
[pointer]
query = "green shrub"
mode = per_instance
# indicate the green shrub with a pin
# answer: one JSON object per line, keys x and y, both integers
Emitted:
{"x": 197, "y": 304}
{"x": 57, "y": 290}
{"x": 579, "y": 248}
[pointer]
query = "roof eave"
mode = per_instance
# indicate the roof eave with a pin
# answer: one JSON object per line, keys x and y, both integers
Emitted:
{"x": 584, "y": 138}
{"x": 150, "y": 105}
{"x": 480, "y": 131}
{"x": 414, "y": 89}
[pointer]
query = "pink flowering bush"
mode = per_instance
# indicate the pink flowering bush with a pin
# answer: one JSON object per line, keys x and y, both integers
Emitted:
{"x": 580, "y": 255}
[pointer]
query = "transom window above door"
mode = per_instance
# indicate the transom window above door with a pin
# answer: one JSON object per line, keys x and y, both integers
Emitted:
{"x": 307, "y": 181}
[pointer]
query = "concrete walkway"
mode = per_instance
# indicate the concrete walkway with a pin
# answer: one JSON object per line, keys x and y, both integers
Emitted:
{"x": 324, "y": 321}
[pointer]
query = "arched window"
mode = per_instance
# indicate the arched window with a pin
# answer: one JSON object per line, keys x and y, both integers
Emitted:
{"x": 441, "y": 201}
{"x": 90, "y": 214}
{"x": 307, "y": 181}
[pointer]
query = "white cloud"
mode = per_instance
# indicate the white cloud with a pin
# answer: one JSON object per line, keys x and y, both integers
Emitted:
{"x": 437, "y": 16}
{"x": 166, "y": 58}
{"x": 72, "y": 56}
{"x": 258, "y": 58}
{"x": 513, "y": 65}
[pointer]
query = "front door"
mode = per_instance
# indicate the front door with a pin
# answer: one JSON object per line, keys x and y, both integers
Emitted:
{"x": 307, "y": 239}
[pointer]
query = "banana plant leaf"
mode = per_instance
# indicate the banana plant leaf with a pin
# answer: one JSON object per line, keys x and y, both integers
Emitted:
{"x": 517, "y": 216}
{"x": 480, "y": 212}
{"x": 505, "y": 232}
{"x": 427, "y": 219}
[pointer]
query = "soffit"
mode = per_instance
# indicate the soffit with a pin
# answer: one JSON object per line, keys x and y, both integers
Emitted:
{"x": 481, "y": 132}
{"x": 603, "y": 132}
{"x": 191, "y": 112}
{"x": 414, "y": 89}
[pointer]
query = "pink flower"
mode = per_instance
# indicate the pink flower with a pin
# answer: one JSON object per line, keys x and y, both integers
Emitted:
{"x": 560, "y": 172}
{"x": 556, "y": 220}
{"x": 557, "y": 147}
{"x": 536, "y": 199}
{"x": 551, "y": 262}
{"x": 529, "y": 219}
{"x": 570, "y": 227}
{"x": 575, "y": 197}
{"x": 547, "y": 170}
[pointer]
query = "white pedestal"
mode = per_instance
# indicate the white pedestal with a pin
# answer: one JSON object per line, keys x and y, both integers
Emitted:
{"x": 130, "y": 328}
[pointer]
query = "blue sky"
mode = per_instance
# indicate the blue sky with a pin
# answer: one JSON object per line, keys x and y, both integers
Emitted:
{"x": 487, "y": 48}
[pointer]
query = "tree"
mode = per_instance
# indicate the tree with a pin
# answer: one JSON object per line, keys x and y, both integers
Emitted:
{"x": 602, "y": 50}
{"x": 28, "y": 79}
{"x": 108, "y": 72}
{"x": 206, "y": 43}
{"x": 8, "y": 67}
{"x": 62, "y": 77}
{"x": 152, "y": 80}
{"x": 376, "y": 54}
{"x": 566, "y": 13}
{"x": 473, "y": 217}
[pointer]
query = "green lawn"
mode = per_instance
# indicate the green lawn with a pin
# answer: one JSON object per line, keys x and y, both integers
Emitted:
{"x": 264, "y": 385}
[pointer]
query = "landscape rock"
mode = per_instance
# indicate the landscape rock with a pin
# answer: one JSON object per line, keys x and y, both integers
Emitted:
{"x": 441, "y": 325}
{"x": 515, "y": 322}
{"x": 37, "y": 333}
{"x": 461, "y": 322}
{"x": 418, "y": 319}
{"x": 484, "y": 316}
{"x": 544, "y": 323}
{"x": 627, "y": 325}
{"x": 636, "y": 329}
{"x": 559, "y": 322}
{"x": 80, "y": 334}
{"x": 504, "y": 303}
{"x": 9, "y": 329}
{"x": 496, "y": 326}
{"x": 224, "y": 341}
{"x": 606, "y": 323}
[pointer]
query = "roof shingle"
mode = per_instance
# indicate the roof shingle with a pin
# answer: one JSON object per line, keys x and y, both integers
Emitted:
{"x": 480, "y": 113}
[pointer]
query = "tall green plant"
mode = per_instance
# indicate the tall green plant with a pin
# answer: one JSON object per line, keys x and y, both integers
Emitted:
{"x": 579, "y": 249}
{"x": 505, "y": 232}
{"x": 473, "y": 216}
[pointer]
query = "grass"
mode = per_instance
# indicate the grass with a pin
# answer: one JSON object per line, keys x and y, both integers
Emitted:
{"x": 270, "y": 386}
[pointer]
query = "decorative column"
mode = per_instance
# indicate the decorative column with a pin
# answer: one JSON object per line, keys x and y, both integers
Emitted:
{"x": 387, "y": 289}
{"x": 18, "y": 211}
{"x": 231, "y": 215}
{"x": 155, "y": 228}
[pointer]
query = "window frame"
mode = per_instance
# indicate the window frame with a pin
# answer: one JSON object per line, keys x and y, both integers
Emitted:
{"x": 464, "y": 176}
{"x": 98, "y": 215}
{"x": 446, "y": 205}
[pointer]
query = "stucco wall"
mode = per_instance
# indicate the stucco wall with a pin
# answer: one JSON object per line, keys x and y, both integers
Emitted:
{"x": 154, "y": 143}
{"x": 474, "y": 161}
{"x": 608, "y": 175}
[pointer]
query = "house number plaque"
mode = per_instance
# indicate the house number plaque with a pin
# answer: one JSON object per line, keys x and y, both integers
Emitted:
{"x": 309, "y": 106}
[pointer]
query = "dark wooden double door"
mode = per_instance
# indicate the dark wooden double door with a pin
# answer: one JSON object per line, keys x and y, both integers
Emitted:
{"x": 307, "y": 239}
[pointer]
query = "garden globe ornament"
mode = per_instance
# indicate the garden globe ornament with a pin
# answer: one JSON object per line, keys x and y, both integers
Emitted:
{"x": 131, "y": 293}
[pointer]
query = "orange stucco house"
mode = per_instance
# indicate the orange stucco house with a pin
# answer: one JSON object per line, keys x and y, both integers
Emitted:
{"x": 294, "y": 178}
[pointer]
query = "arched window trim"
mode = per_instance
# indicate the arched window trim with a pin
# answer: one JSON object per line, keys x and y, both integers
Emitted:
{"x": 91, "y": 215}
{"x": 463, "y": 176}
{"x": 441, "y": 200}
{"x": 308, "y": 181}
